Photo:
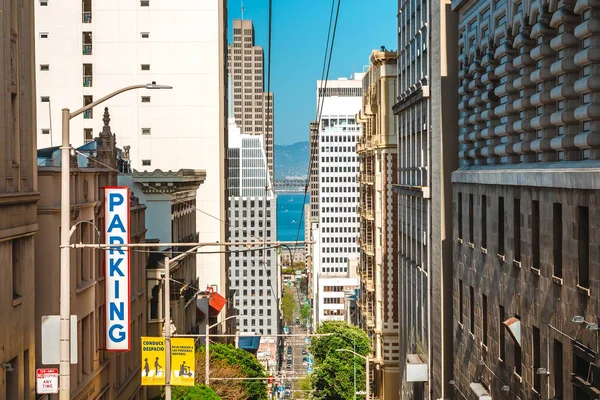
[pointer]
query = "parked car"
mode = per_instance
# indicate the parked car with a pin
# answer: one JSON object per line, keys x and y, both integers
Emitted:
{"x": 303, "y": 352}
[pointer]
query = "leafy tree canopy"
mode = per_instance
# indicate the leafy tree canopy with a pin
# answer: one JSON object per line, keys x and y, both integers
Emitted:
{"x": 197, "y": 392}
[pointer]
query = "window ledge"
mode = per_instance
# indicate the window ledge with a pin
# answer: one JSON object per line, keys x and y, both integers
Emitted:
{"x": 501, "y": 257}
{"x": 472, "y": 335}
{"x": 459, "y": 240}
{"x": 535, "y": 271}
{"x": 471, "y": 245}
{"x": 460, "y": 325}
{"x": 517, "y": 376}
{"x": 501, "y": 361}
{"x": 557, "y": 280}
{"x": 84, "y": 285}
{"x": 484, "y": 250}
{"x": 18, "y": 301}
{"x": 516, "y": 264}
{"x": 583, "y": 290}
{"x": 483, "y": 346}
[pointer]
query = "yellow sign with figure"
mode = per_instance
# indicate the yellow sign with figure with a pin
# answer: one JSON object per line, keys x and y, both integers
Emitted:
{"x": 183, "y": 362}
{"x": 153, "y": 361}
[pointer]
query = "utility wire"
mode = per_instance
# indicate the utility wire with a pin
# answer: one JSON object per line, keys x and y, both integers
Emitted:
{"x": 161, "y": 192}
{"x": 319, "y": 112}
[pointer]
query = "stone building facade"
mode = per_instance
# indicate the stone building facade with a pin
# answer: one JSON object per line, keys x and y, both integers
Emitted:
{"x": 378, "y": 210}
{"x": 98, "y": 374}
{"x": 526, "y": 200}
{"x": 426, "y": 119}
{"x": 18, "y": 201}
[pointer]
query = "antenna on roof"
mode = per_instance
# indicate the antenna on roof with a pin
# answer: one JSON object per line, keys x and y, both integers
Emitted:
{"x": 242, "y": 10}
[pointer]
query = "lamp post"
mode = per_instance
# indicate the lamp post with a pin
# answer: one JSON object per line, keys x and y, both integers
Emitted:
{"x": 65, "y": 262}
{"x": 206, "y": 355}
{"x": 366, "y": 358}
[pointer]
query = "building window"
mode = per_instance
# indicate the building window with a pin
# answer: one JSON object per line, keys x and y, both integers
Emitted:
{"x": 501, "y": 342}
{"x": 45, "y": 99}
{"x": 44, "y": 3}
{"x": 146, "y": 131}
{"x": 460, "y": 216}
{"x": 87, "y": 43}
{"x": 460, "y": 302}
{"x": 145, "y": 35}
{"x": 583, "y": 246}
{"x": 45, "y": 131}
{"x": 44, "y": 67}
{"x": 88, "y": 114}
{"x": 87, "y": 75}
{"x": 12, "y": 379}
{"x": 471, "y": 236}
{"x": 517, "y": 229}
{"x": 517, "y": 354}
{"x": 88, "y": 135}
{"x": 558, "y": 369}
{"x": 145, "y": 3}
{"x": 557, "y": 233}
{"x": 484, "y": 222}
{"x": 501, "y": 225}
{"x": 44, "y": 35}
{"x": 484, "y": 322}
{"x": 17, "y": 267}
{"x": 537, "y": 349}
{"x": 145, "y": 99}
{"x": 145, "y": 67}
{"x": 472, "y": 309}
{"x": 535, "y": 233}
{"x": 146, "y": 163}
{"x": 87, "y": 11}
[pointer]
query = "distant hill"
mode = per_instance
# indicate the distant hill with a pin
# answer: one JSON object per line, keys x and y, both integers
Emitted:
{"x": 291, "y": 160}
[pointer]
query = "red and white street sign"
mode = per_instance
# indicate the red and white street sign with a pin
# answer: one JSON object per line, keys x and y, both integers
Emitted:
{"x": 47, "y": 380}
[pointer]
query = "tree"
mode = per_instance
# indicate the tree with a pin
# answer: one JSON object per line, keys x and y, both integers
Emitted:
{"x": 227, "y": 361}
{"x": 197, "y": 392}
{"x": 288, "y": 305}
{"x": 334, "y": 371}
{"x": 305, "y": 311}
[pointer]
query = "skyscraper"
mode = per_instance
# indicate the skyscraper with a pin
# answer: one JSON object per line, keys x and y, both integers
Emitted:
{"x": 252, "y": 107}
{"x": 426, "y": 120}
{"x": 90, "y": 48}
{"x": 253, "y": 275}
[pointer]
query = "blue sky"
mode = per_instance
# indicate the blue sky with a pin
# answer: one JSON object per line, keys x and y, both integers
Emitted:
{"x": 298, "y": 42}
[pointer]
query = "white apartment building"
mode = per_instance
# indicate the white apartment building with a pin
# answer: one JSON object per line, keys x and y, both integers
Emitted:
{"x": 87, "y": 49}
{"x": 332, "y": 297}
{"x": 253, "y": 275}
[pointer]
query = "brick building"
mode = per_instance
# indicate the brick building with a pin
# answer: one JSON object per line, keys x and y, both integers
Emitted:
{"x": 378, "y": 208}
{"x": 526, "y": 265}
{"x": 426, "y": 120}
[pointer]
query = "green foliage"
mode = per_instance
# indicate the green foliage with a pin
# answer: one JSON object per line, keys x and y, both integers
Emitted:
{"x": 288, "y": 305}
{"x": 305, "y": 311}
{"x": 197, "y": 392}
{"x": 334, "y": 370}
{"x": 246, "y": 362}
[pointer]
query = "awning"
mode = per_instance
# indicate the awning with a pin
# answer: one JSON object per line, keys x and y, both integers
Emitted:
{"x": 216, "y": 304}
{"x": 480, "y": 391}
{"x": 249, "y": 343}
{"x": 416, "y": 368}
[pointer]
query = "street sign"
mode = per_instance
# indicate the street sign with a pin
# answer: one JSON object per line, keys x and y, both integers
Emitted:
{"x": 47, "y": 380}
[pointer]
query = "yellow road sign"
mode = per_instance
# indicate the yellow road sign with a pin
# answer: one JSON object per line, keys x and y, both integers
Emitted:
{"x": 183, "y": 362}
{"x": 153, "y": 361}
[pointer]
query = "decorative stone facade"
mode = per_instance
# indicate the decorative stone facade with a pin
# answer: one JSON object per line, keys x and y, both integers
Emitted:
{"x": 526, "y": 199}
{"x": 378, "y": 263}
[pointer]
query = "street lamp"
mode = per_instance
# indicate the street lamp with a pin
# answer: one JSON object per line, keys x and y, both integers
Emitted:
{"x": 206, "y": 355}
{"x": 366, "y": 358}
{"x": 65, "y": 262}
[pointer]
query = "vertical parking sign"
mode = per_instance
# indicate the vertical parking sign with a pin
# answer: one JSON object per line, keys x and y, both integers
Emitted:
{"x": 116, "y": 268}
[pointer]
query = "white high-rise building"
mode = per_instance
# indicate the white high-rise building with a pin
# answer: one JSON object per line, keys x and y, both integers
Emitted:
{"x": 253, "y": 275}
{"x": 87, "y": 49}
{"x": 338, "y": 165}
